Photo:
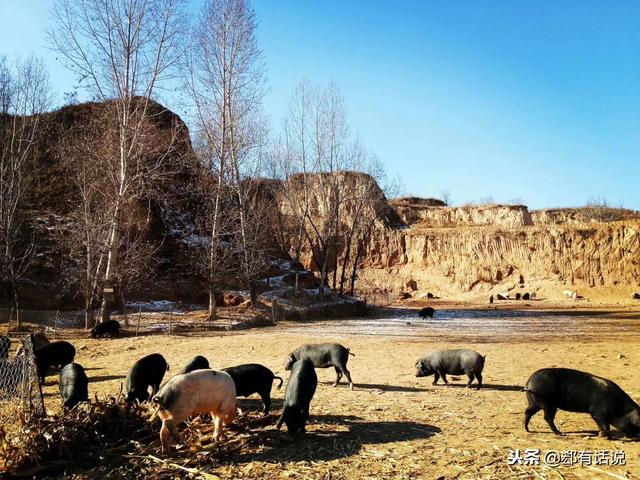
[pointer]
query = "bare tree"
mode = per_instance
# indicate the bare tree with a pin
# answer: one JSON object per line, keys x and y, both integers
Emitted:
{"x": 215, "y": 197}
{"x": 599, "y": 210}
{"x": 328, "y": 208}
{"x": 83, "y": 152}
{"x": 291, "y": 164}
{"x": 121, "y": 51}
{"x": 226, "y": 80}
{"x": 446, "y": 197}
{"x": 25, "y": 94}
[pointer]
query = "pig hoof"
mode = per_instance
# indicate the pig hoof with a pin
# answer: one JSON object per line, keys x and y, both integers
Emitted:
{"x": 351, "y": 386}
{"x": 334, "y": 385}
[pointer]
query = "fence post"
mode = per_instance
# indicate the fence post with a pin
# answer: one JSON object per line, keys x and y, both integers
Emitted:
{"x": 138, "y": 326}
{"x": 170, "y": 323}
{"x": 55, "y": 325}
{"x": 34, "y": 398}
{"x": 126, "y": 317}
{"x": 274, "y": 310}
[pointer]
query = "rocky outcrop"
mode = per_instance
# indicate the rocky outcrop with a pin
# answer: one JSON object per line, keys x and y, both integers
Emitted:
{"x": 476, "y": 259}
{"x": 349, "y": 184}
{"x": 74, "y": 133}
{"x": 469, "y": 215}
{"x": 572, "y": 216}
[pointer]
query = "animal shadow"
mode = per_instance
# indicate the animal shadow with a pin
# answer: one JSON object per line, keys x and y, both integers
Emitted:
{"x": 104, "y": 378}
{"x": 327, "y": 439}
{"x": 488, "y": 386}
{"x": 254, "y": 404}
{"x": 385, "y": 388}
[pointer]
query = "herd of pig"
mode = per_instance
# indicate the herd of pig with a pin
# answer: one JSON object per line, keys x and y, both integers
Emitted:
{"x": 198, "y": 389}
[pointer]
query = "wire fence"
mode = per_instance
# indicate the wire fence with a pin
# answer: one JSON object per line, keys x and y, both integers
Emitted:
{"x": 69, "y": 324}
{"x": 53, "y": 323}
{"x": 20, "y": 392}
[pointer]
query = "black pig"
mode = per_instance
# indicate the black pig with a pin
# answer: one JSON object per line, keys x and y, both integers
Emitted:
{"x": 110, "y": 328}
{"x": 196, "y": 363}
{"x": 324, "y": 355}
{"x": 73, "y": 385}
{"x": 426, "y": 312}
{"x": 298, "y": 395}
{"x": 452, "y": 362}
{"x": 55, "y": 354}
{"x": 253, "y": 378}
{"x": 551, "y": 389}
{"x": 146, "y": 372}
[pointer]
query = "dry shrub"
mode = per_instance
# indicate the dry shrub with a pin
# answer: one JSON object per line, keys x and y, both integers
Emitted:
{"x": 75, "y": 440}
{"x": 112, "y": 439}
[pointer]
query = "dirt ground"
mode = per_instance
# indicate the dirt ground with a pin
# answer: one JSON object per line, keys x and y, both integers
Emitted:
{"x": 394, "y": 425}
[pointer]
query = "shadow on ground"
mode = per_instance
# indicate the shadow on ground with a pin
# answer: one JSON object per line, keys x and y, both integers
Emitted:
{"x": 104, "y": 378}
{"x": 331, "y": 437}
{"x": 378, "y": 386}
{"x": 487, "y": 386}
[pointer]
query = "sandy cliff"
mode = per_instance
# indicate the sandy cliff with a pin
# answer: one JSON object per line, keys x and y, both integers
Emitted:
{"x": 470, "y": 215}
{"x": 480, "y": 258}
{"x": 469, "y": 259}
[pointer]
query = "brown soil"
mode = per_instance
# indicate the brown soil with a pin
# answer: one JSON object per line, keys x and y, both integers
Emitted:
{"x": 394, "y": 425}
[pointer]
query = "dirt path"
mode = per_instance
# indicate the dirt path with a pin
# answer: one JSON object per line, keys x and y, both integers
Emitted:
{"x": 394, "y": 425}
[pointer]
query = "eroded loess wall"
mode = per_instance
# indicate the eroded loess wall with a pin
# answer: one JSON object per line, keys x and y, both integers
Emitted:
{"x": 476, "y": 259}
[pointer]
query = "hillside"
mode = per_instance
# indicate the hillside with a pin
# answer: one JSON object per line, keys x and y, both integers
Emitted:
{"x": 470, "y": 252}
{"x": 69, "y": 136}
{"x": 413, "y": 245}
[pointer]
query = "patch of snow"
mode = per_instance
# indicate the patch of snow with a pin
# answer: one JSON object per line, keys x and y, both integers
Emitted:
{"x": 157, "y": 306}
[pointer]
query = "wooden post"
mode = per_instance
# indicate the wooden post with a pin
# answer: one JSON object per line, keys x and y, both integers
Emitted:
{"x": 170, "y": 323}
{"x": 55, "y": 325}
{"x": 124, "y": 310}
{"x": 138, "y": 326}
{"x": 274, "y": 310}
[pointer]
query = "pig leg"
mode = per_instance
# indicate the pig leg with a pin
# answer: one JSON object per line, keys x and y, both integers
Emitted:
{"x": 167, "y": 431}
{"x": 470, "y": 377}
{"x": 217, "y": 426}
{"x": 165, "y": 436}
{"x": 479, "y": 378}
{"x": 528, "y": 413}
{"x": 230, "y": 415}
{"x": 549, "y": 416}
{"x": 603, "y": 425}
{"x": 266, "y": 400}
{"x": 280, "y": 420}
{"x": 436, "y": 377}
{"x": 444, "y": 378}
{"x": 338, "y": 376}
{"x": 348, "y": 375}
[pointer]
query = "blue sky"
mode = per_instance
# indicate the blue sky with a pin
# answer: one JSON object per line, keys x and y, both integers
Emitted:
{"x": 530, "y": 100}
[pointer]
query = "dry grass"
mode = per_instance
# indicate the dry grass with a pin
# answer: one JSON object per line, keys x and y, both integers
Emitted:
{"x": 392, "y": 425}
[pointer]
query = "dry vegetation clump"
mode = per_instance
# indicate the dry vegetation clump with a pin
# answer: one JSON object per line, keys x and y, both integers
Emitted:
{"x": 75, "y": 440}
{"x": 112, "y": 439}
